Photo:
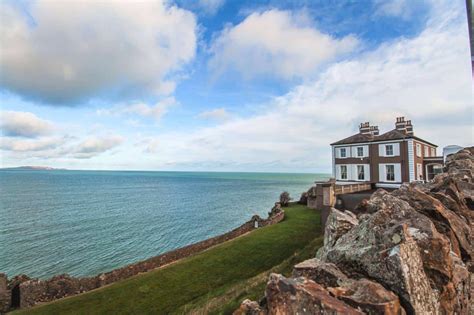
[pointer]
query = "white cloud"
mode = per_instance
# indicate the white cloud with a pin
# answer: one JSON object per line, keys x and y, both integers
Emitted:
{"x": 219, "y": 114}
{"x": 64, "y": 147}
{"x": 397, "y": 8}
{"x": 23, "y": 124}
{"x": 155, "y": 112}
{"x": 211, "y": 6}
{"x": 276, "y": 43}
{"x": 95, "y": 145}
{"x": 426, "y": 78}
{"x": 79, "y": 50}
{"x": 30, "y": 145}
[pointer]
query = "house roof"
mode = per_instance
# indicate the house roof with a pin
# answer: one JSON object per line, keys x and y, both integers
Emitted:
{"x": 388, "y": 136}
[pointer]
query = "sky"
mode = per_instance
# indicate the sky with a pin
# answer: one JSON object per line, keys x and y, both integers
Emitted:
{"x": 225, "y": 85}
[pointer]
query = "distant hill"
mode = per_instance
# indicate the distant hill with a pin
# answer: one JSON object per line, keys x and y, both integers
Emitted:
{"x": 33, "y": 168}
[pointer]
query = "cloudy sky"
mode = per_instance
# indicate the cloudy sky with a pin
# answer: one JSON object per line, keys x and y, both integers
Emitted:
{"x": 225, "y": 85}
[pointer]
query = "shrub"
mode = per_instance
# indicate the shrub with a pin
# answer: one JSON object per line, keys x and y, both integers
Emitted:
{"x": 285, "y": 199}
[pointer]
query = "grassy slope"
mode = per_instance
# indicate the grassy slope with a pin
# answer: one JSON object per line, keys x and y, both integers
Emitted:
{"x": 191, "y": 282}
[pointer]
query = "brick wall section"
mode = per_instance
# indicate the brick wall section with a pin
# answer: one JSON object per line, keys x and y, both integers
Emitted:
{"x": 34, "y": 291}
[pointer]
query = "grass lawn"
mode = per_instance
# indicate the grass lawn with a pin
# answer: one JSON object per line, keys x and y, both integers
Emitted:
{"x": 214, "y": 281}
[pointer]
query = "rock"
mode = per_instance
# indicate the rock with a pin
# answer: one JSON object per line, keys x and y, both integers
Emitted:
{"x": 36, "y": 291}
{"x": 338, "y": 224}
{"x": 302, "y": 296}
{"x": 326, "y": 274}
{"x": 445, "y": 220}
{"x": 5, "y": 294}
{"x": 368, "y": 296}
{"x": 249, "y": 308}
{"x": 382, "y": 248}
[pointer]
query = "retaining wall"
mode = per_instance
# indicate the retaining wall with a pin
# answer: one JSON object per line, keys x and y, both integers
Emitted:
{"x": 25, "y": 292}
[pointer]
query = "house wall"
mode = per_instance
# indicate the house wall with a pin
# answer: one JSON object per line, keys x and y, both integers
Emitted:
{"x": 374, "y": 159}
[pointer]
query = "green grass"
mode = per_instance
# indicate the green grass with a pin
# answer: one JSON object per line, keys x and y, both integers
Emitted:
{"x": 214, "y": 281}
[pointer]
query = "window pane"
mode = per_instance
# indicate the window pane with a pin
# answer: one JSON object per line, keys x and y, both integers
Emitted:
{"x": 343, "y": 172}
{"x": 360, "y": 151}
{"x": 360, "y": 172}
{"x": 390, "y": 171}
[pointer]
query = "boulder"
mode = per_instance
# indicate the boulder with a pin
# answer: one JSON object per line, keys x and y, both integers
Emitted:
{"x": 249, "y": 307}
{"x": 338, "y": 223}
{"x": 368, "y": 296}
{"x": 302, "y": 296}
{"x": 326, "y": 274}
{"x": 363, "y": 294}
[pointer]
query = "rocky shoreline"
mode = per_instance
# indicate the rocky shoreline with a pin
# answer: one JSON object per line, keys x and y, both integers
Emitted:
{"x": 405, "y": 252}
{"x": 22, "y": 291}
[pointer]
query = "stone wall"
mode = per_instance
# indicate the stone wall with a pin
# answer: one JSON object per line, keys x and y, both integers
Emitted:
{"x": 23, "y": 292}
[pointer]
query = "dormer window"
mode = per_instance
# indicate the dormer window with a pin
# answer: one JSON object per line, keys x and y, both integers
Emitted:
{"x": 360, "y": 151}
{"x": 389, "y": 150}
{"x": 343, "y": 152}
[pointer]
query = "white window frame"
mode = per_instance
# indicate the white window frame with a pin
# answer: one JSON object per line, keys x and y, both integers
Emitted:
{"x": 433, "y": 152}
{"x": 358, "y": 172}
{"x": 387, "y": 173}
{"x": 358, "y": 151}
{"x": 347, "y": 172}
{"x": 427, "y": 151}
{"x": 418, "y": 150}
{"x": 345, "y": 153}
{"x": 386, "y": 150}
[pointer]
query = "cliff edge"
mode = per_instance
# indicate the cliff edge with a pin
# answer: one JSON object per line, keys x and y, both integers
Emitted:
{"x": 408, "y": 251}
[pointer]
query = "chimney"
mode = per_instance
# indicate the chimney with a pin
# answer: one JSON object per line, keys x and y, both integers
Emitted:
{"x": 374, "y": 130}
{"x": 400, "y": 124}
{"x": 364, "y": 128}
{"x": 409, "y": 128}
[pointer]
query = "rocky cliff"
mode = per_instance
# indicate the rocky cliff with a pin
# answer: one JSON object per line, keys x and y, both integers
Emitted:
{"x": 405, "y": 252}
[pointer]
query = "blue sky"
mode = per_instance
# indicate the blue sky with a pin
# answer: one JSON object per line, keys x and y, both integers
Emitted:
{"x": 216, "y": 85}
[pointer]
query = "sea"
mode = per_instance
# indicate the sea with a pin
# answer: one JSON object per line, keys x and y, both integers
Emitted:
{"x": 87, "y": 222}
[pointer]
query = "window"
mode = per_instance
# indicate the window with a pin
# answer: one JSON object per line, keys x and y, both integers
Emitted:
{"x": 418, "y": 150}
{"x": 342, "y": 152}
{"x": 433, "y": 152}
{"x": 419, "y": 171}
{"x": 360, "y": 172}
{"x": 427, "y": 151}
{"x": 389, "y": 150}
{"x": 390, "y": 173}
{"x": 343, "y": 171}
{"x": 360, "y": 151}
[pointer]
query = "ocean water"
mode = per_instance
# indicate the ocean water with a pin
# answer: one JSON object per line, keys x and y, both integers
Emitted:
{"x": 87, "y": 222}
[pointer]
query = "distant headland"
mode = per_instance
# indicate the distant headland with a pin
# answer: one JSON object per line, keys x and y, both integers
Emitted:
{"x": 32, "y": 168}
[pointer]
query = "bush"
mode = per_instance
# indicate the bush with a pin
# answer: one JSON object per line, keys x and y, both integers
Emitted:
{"x": 285, "y": 199}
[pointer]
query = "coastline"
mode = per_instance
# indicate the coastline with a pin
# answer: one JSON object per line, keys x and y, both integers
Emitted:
{"x": 25, "y": 292}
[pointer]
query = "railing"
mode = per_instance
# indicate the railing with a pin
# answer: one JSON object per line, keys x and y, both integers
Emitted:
{"x": 351, "y": 188}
